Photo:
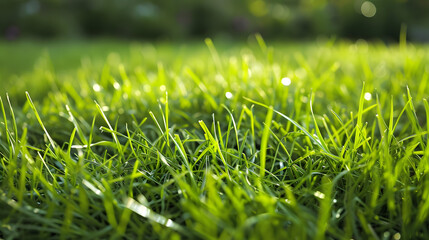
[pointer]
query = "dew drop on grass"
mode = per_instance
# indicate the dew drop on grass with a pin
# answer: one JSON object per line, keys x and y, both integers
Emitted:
{"x": 96, "y": 87}
{"x": 367, "y": 96}
{"x": 116, "y": 85}
{"x": 286, "y": 81}
{"x": 397, "y": 236}
{"x": 319, "y": 195}
{"x": 228, "y": 95}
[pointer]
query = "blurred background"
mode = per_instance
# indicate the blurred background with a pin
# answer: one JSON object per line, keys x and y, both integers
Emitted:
{"x": 185, "y": 19}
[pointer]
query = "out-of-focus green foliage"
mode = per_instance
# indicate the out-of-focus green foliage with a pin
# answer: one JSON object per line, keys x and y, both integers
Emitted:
{"x": 195, "y": 18}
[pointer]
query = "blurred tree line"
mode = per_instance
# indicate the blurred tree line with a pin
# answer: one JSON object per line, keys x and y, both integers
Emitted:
{"x": 178, "y": 19}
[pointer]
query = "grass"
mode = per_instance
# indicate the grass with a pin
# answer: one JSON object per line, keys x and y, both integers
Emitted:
{"x": 322, "y": 140}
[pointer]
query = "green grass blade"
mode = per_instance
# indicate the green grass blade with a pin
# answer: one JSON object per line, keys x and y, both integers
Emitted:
{"x": 264, "y": 142}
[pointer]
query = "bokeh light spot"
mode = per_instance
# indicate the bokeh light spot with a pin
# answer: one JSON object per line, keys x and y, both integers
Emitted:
{"x": 319, "y": 195}
{"x": 258, "y": 8}
{"x": 368, "y": 9}
{"x": 367, "y": 96}
{"x": 96, "y": 87}
{"x": 228, "y": 95}
{"x": 397, "y": 236}
{"x": 286, "y": 81}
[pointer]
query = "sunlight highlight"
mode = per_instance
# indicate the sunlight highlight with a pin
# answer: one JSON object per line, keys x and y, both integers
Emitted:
{"x": 367, "y": 96}
{"x": 286, "y": 81}
{"x": 96, "y": 87}
{"x": 319, "y": 195}
{"x": 228, "y": 95}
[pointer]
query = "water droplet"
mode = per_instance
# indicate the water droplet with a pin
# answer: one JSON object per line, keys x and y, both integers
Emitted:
{"x": 367, "y": 96}
{"x": 116, "y": 85}
{"x": 96, "y": 87}
{"x": 228, "y": 95}
{"x": 286, "y": 81}
{"x": 319, "y": 195}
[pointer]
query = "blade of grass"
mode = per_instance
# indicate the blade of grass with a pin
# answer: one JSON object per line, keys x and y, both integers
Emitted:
{"x": 264, "y": 142}
{"x": 326, "y": 151}
{"x": 51, "y": 141}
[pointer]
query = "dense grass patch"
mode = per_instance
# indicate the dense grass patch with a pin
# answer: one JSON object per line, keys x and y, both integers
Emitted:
{"x": 312, "y": 140}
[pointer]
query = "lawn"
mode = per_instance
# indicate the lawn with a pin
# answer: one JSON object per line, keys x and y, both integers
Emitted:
{"x": 214, "y": 140}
